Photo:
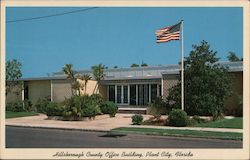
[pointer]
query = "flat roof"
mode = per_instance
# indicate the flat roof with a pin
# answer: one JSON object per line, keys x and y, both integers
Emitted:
{"x": 150, "y": 72}
{"x": 231, "y": 66}
{"x": 41, "y": 78}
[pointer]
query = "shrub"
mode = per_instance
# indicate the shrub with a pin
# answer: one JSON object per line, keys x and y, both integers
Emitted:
{"x": 97, "y": 98}
{"x": 89, "y": 111}
{"x": 27, "y": 106}
{"x": 73, "y": 107}
{"x": 41, "y": 105}
{"x": 53, "y": 109}
{"x": 77, "y": 107}
{"x": 191, "y": 122}
{"x": 137, "y": 119}
{"x": 158, "y": 106}
{"x": 178, "y": 118}
{"x": 109, "y": 108}
{"x": 239, "y": 109}
{"x": 19, "y": 106}
{"x": 15, "y": 106}
{"x": 198, "y": 119}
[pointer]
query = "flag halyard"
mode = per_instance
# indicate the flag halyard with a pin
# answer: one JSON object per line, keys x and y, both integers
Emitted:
{"x": 169, "y": 33}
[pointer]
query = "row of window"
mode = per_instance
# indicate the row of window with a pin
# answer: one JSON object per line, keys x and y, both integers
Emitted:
{"x": 140, "y": 94}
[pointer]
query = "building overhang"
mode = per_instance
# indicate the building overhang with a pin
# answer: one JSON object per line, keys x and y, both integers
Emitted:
{"x": 145, "y": 80}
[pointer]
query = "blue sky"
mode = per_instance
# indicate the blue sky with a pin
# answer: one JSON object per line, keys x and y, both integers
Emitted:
{"x": 115, "y": 36}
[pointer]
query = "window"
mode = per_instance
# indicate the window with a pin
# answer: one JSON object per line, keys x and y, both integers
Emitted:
{"x": 153, "y": 92}
{"x": 112, "y": 93}
{"x": 132, "y": 92}
{"x": 119, "y": 94}
{"x": 143, "y": 94}
{"x": 26, "y": 92}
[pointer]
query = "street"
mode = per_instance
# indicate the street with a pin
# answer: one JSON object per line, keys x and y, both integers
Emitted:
{"x": 21, "y": 137}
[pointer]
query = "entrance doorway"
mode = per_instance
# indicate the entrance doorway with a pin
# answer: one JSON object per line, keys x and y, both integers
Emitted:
{"x": 133, "y": 94}
{"x": 122, "y": 94}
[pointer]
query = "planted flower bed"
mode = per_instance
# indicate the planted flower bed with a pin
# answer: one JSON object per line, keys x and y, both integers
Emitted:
{"x": 77, "y": 108}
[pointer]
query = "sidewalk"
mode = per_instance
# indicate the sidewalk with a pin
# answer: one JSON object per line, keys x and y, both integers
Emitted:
{"x": 190, "y": 128}
{"x": 101, "y": 123}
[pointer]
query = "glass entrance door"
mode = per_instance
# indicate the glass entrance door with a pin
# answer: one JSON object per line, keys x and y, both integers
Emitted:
{"x": 125, "y": 94}
{"x": 122, "y": 94}
{"x": 119, "y": 94}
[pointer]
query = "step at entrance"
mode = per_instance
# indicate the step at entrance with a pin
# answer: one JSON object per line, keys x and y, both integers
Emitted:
{"x": 132, "y": 110}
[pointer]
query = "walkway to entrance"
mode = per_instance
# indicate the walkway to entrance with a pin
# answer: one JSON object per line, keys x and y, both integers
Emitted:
{"x": 132, "y": 110}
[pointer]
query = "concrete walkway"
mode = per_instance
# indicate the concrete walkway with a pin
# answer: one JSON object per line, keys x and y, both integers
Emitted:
{"x": 101, "y": 123}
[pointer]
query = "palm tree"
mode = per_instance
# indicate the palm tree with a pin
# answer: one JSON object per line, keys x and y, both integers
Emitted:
{"x": 85, "y": 78}
{"x": 98, "y": 73}
{"x": 68, "y": 70}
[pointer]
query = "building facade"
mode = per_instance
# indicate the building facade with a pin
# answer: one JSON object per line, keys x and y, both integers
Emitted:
{"x": 127, "y": 87}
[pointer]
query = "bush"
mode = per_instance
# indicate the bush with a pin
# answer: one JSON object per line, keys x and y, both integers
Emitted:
{"x": 109, "y": 108}
{"x": 97, "y": 98}
{"x": 191, "y": 122}
{"x": 73, "y": 107}
{"x": 15, "y": 106}
{"x": 77, "y": 107}
{"x": 27, "y": 106}
{"x": 19, "y": 106}
{"x": 157, "y": 107}
{"x": 198, "y": 119}
{"x": 137, "y": 119}
{"x": 239, "y": 109}
{"x": 53, "y": 109}
{"x": 41, "y": 105}
{"x": 89, "y": 111}
{"x": 178, "y": 118}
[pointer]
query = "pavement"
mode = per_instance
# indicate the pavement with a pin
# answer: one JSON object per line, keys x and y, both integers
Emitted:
{"x": 24, "y": 137}
{"x": 101, "y": 123}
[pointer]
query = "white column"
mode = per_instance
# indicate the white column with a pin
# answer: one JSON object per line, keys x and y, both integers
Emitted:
{"x": 122, "y": 94}
{"x": 23, "y": 91}
{"x": 128, "y": 94}
{"x": 115, "y": 93}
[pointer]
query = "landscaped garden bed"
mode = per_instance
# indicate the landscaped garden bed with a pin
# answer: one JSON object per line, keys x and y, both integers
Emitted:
{"x": 76, "y": 108}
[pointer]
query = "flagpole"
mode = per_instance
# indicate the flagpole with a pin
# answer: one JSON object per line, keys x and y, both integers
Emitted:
{"x": 182, "y": 67}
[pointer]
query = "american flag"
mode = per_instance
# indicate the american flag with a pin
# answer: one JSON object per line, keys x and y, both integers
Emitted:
{"x": 168, "y": 33}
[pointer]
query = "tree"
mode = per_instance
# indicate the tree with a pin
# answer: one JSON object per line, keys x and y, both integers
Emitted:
{"x": 207, "y": 84}
{"x": 98, "y": 73}
{"x": 144, "y": 64}
{"x": 85, "y": 78}
{"x": 233, "y": 58}
{"x": 134, "y": 65}
{"x": 75, "y": 85}
{"x": 13, "y": 73}
{"x": 115, "y": 66}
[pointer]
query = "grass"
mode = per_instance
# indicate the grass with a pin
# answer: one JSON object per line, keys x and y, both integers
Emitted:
{"x": 186, "y": 133}
{"x": 223, "y": 123}
{"x": 10, "y": 114}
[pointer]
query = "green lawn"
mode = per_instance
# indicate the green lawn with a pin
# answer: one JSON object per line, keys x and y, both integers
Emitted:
{"x": 223, "y": 123}
{"x": 19, "y": 114}
{"x": 186, "y": 133}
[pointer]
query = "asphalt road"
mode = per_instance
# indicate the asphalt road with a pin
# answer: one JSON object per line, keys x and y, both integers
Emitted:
{"x": 20, "y": 137}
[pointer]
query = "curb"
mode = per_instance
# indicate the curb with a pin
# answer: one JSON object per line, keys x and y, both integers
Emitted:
{"x": 54, "y": 128}
{"x": 191, "y": 129}
{"x": 177, "y": 135}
